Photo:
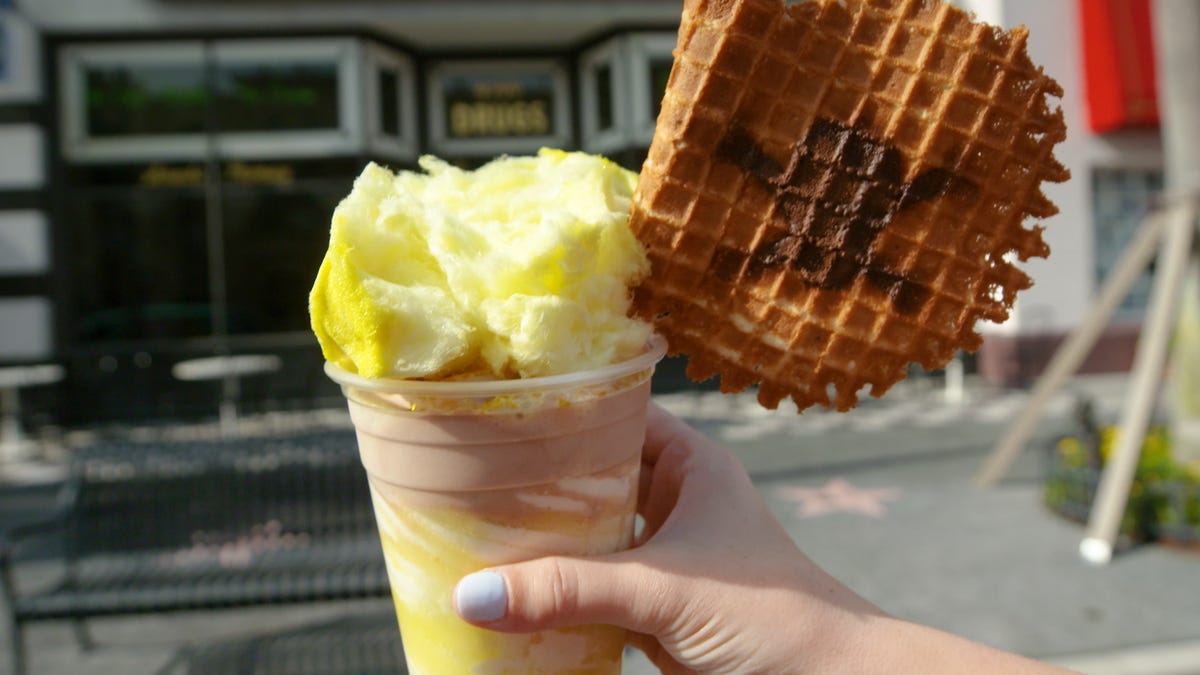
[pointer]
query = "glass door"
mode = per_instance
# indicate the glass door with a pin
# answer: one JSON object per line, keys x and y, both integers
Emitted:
{"x": 199, "y": 181}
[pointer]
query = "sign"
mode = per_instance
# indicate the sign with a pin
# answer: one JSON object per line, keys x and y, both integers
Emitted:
{"x": 1120, "y": 78}
{"x": 499, "y": 105}
{"x": 172, "y": 176}
{"x": 484, "y": 108}
{"x": 236, "y": 173}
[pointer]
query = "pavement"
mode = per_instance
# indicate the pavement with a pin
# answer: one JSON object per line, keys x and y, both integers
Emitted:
{"x": 881, "y": 497}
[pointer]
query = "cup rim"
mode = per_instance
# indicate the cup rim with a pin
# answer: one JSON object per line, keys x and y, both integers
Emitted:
{"x": 655, "y": 350}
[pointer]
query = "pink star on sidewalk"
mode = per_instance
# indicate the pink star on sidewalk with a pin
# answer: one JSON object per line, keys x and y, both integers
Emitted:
{"x": 838, "y": 495}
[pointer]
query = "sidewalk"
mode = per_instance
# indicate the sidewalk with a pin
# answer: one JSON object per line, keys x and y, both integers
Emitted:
{"x": 881, "y": 497}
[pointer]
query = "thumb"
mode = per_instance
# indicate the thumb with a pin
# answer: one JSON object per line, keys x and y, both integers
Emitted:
{"x": 559, "y": 591}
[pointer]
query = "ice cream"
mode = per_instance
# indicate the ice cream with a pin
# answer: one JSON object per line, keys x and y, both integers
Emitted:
{"x": 477, "y": 322}
{"x": 518, "y": 269}
{"x": 461, "y": 491}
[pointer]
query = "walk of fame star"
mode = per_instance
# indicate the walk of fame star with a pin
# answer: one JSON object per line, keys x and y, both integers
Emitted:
{"x": 837, "y": 494}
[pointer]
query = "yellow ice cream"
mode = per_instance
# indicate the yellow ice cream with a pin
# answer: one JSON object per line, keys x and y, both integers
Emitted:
{"x": 520, "y": 268}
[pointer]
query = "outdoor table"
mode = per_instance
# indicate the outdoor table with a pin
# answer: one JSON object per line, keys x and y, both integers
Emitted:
{"x": 230, "y": 370}
{"x": 12, "y": 380}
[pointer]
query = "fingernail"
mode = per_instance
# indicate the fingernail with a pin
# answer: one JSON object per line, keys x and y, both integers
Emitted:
{"x": 481, "y": 596}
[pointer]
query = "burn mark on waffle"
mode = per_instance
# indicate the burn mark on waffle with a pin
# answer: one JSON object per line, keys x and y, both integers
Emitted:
{"x": 838, "y": 193}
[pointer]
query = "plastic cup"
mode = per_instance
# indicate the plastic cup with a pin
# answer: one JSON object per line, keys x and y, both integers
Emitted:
{"x": 469, "y": 474}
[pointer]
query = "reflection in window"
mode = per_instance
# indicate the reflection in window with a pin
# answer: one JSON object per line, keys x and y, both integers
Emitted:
{"x": 274, "y": 241}
{"x": 604, "y": 97}
{"x": 660, "y": 72}
{"x": 276, "y": 96}
{"x": 145, "y": 99}
{"x": 151, "y": 99}
{"x": 140, "y": 267}
{"x": 1121, "y": 197}
{"x": 138, "y": 264}
{"x": 389, "y": 103}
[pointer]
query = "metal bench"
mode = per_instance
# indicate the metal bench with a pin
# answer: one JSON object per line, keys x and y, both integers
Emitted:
{"x": 187, "y": 525}
{"x": 362, "y": 643}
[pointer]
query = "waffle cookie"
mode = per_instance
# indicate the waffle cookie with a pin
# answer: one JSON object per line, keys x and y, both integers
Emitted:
{"x": 837, "y": 188}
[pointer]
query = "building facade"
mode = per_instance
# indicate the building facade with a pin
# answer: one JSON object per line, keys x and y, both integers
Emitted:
{"x": 168, "y": 168}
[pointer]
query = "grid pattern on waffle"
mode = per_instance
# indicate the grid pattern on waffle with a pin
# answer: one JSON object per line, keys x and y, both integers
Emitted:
{"x": 783, "y": 134}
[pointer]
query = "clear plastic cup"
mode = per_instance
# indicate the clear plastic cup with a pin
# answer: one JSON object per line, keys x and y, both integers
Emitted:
{"x": 469, "y": 474}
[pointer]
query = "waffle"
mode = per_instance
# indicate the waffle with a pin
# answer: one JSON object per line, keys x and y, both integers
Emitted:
{"x": 837, "y": 189}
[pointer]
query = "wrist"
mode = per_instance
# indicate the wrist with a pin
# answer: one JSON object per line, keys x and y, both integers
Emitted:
{"x": 901, "y": 647}
{"x": 837, "y": 632}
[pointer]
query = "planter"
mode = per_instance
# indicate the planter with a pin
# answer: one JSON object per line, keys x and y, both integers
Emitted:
{"x": 1164, "y": 498}
{"x": 1175, "y": 517}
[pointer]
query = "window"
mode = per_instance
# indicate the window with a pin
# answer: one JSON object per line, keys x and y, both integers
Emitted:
{"x": 274, "y": 97}
{"x": 1121, "y": 197}
{"x": 604, "y": 97}
{"x": 274, "y": 241}
{"x": 139, "y": 264}
{"x": 142, "y": 239}
{"x": 247, "y": 98}
{"x": 622, "y": 82}
{"x": 660, "y": 72}
{"x": 122, "y": 101}
{"x": 485, "y": 108}
{"x": 391, "y": 103}
{"x": 130, "y": 99}
{"x": 650, "y": 55}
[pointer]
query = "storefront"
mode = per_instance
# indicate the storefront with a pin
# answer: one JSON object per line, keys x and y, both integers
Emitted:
{"x": 195, "y": 182}
{"x": 191, "y": 179}
{"x": 168, "y": 168}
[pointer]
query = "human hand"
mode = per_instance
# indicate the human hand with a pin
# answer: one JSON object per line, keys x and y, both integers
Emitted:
{"x": 716, "y": 584}
{"x": 709, "y": 584}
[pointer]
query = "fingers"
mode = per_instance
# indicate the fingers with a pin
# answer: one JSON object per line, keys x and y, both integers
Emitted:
{"x": 667, "y": 463}
{"x": 614, "y": 589}
{"x": 645, "y": 475}
{"x": 658, "y": 655}
{"x": 558, "y": 591}
{"x": 662, "y": 430}
{"x": 662, "y": 494}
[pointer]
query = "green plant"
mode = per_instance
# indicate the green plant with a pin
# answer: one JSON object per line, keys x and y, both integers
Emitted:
{"x": 1164, "y": 498}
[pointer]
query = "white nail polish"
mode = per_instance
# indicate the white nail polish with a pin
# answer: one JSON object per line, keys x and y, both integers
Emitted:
{"x": 481, "y": 596}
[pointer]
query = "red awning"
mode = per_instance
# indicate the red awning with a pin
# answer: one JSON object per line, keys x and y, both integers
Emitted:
{"x": 1119, "y": 64}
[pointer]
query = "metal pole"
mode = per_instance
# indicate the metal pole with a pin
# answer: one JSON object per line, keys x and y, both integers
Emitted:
{"x": 12, "y": 442}
{"x": 215, "y": 228}
{"x": 1149, "y": 360}
{"x": 954, "y": 392}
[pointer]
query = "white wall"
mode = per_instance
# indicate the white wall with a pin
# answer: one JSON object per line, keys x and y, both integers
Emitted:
{"x": 26, "y": 322}
{"x": 24, "y": 243}
{"x": 22, "y": 79}
{"x": 21, "y": 157}
{"x": 1064, "y": 284}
